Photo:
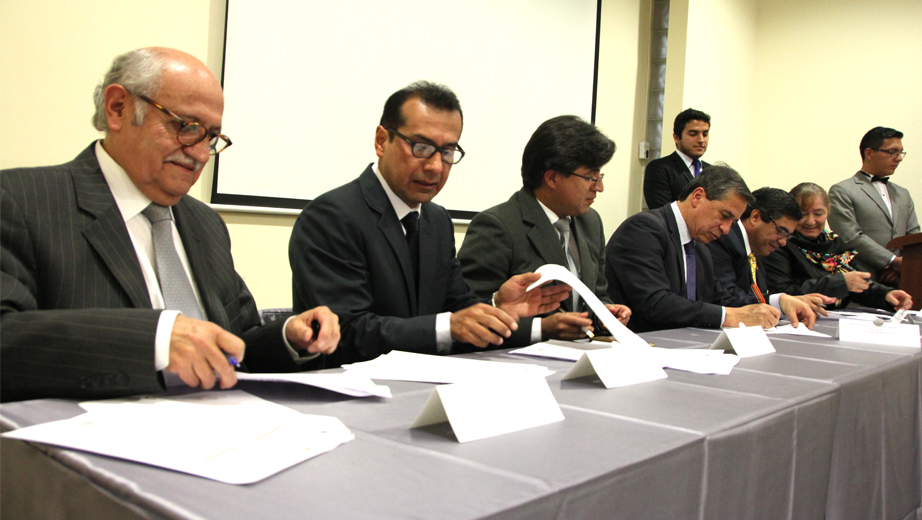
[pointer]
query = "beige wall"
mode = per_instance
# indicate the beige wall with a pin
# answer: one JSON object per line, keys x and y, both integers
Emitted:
{"x": 791, "y": 85}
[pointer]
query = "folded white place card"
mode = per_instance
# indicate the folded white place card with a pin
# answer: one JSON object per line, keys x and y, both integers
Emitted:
{"x": 619, "y": 366}
{"x": 896, "y": 334}
{"x": 744, "y": 341}
{"x": 477, "y": 410}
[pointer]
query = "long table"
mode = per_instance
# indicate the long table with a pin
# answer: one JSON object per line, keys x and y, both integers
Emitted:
{"x": 820, "y": 429}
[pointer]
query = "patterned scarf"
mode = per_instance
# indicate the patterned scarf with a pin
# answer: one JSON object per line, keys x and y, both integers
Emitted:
{"x": 827, "y": 251}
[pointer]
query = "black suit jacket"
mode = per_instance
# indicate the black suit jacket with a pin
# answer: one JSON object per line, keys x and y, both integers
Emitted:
{"x": 516, "y": 237}
{"x": 731, "y": 266}
{"x": 790, "y": 271}
{"x": 348, "y": 251}
{"x": 664, "y": 179}
{"x": 76, "y": 314}
{"x": 645, "y": 271}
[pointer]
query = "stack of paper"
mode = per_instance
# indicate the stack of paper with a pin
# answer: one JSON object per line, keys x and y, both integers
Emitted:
{"x": 229, "y": 436}
{"x": 407, "y": 366}
{"x": 347, "y": 384}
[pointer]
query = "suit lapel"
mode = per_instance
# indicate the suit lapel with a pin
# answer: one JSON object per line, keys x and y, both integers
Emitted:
{"x": 868, "y": 188}
{"x": 107, "y": 234}
{"x": 680, "y": 164}
{"x": 543, "y": 236}
{"x": 676, "y": 239}
{"x": 198, "y": 254}
{"x": 390, "y": 227}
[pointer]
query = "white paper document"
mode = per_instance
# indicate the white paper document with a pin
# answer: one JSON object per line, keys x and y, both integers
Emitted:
{"x": 564, "y": 352}
{"x": 800, "y": 330}
{"x": 397, "y": 365}
{"x": 896, "y": 334}
{"x": 744, "y": 341}
{"x": 228, "y": 436}
{"x": 481, "y": 409}
{"x": 697, "y": 360}
{"x": 347, "y": 384}
{"x": 853, "y": 315}
{"x": 619, "y": 366}
{"x": 560, "y": 273}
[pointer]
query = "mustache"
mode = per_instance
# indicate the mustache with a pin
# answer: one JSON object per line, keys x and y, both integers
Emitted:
{"x": 185, "y": 161}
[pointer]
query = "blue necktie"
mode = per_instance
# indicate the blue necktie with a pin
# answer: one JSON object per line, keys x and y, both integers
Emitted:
{"x": 697, "y": 164}
{"x": 691, "y": 266}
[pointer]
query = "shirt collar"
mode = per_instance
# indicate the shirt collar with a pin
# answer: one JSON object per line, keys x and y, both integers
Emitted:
{"x": 128, "y": 197}
{"x": 684, "y": 235}
{"x": 688, "y": 160}
{"x": 745, "y": 237}
{"x": 400, "y": 207}
{"x": 549, "y": 212}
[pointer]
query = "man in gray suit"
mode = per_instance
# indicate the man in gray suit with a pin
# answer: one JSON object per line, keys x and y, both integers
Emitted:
{"x": 868, "y": 210}
{"x": 90, "y": 257}
{"x": 548, "y": 221}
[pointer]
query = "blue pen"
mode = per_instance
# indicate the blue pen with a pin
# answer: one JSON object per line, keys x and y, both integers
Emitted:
{"x": 232, "y": 360}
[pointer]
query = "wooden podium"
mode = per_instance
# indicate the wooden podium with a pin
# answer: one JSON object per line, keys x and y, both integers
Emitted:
{"x": 911, "y": 272}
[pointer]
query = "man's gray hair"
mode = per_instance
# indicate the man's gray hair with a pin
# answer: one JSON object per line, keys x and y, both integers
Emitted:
{"x": 718, "y": 181}
{"x": 139, "y": 71}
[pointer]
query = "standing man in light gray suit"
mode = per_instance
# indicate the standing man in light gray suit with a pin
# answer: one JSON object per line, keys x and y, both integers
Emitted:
{"x": 90, "y": 259}
{"x": 868, "y": 210}
{"x": 561, "y": 177}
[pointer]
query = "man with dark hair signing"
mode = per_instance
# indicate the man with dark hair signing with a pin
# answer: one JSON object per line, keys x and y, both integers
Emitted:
{"x": 381, "y": 254}
{"x": 548, "y": 221}
{"x": 665, "y": 177}
{"x": 868, "y": 211}
{"x": 657, "y": 262}
{"x": 111, "y": 272}
{"x": 762, "y": 228}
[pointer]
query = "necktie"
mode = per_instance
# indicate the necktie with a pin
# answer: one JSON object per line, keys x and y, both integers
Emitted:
{"x": 411, "y": 225}
{"x": 884, "y": 180}
{"x": 753, "y": 267}
{"x": 174, "y": 284}
{"x": 563, "y": 227}
{"x": 691, "y": 274}
{"x": 697, "y": 164}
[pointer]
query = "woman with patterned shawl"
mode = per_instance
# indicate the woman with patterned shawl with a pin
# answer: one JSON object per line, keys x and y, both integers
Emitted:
{"x": 816, "y": 260}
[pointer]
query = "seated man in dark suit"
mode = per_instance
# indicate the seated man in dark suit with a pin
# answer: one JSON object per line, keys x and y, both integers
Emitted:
{"x": 657, "y": 262}
{"x": 561, "y": 178}
{"x": 94, "y": 250}
{"x": 868, "y": 211}
{"x": 382, "y": 255}
{"x": 665, "y": 177}
{"x": 763, "y": 227}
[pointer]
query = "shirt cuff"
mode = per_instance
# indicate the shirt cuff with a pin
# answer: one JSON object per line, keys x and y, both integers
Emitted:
{"x": 162, "y": 339}
{"x": 296, "y": 355}
{"x": 775, "y": 301}
{"x": 536, "y": 330}
{"x": 723, "y": 316}
{"x": 443, "y": 332}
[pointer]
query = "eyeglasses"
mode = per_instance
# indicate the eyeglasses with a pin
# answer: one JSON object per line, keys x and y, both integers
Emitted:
{"x": 595, "y": 182}
{"x": 781, "y": 231}
{"x": 450, "y": 154}
{"x": 891, "y": 153}
{"x": 191, "y": 133}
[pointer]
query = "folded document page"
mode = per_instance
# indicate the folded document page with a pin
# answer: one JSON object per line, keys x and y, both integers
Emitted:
{"x": 407, "y": 366}
{"x": 342, "y": 383}
{"x": 228, "y": 436}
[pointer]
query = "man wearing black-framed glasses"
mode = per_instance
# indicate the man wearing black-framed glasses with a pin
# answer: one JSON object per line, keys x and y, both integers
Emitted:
{"x": 381, "y": 254}
{"x": 114, "y": 280}
{"x": 868, "y": 210}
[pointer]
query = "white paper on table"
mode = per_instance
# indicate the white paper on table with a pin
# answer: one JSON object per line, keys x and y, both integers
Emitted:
{"x": 800, "y": 330}
{"x": 560, "y": 273}
{"x": 554, "y": 351}
{"x": 408, "y": 366}
{"x": 896, "y": 334}
{"x": 854, "y": 315}
{"x": 697, "y": 360}
{"x": 481, "y": 409}
{"x": 348, "y": 384}
{"x": 619, "y": 366}
{"x": 744, "y": 341}
{"x": 228, "y": 436}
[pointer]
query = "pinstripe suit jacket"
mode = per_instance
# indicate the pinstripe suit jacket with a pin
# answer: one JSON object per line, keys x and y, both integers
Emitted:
{"x": 76, "y": 315}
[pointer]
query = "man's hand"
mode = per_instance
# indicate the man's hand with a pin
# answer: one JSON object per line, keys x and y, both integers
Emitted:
{"x": 755, "y": 315}
{"x": 798, "y": 308}
{"x": 899, "y": 299}
{"x": 890, "y": 277}
{"x": 197, "y": 353}
{"x": 512, "y": 298}
{"x": 897, "y": 264}
{"x": 301, "y": 335}
{"x": 565, "y": 325}
{"x": 816, "y": 301}
{"x": 621, "y": 312}
{"x": 857, "y": 281}
{"x": 481, "y": 325}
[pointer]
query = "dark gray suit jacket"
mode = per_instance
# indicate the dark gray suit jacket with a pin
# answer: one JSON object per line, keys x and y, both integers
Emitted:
{"x": 348, "y": 251}
{"x": 664, "y": 179}
{"x": 644, "y": 267}
{"x": 732, "y": 269}
{"x": 76, "y": 314}
{"x": 516, "y": 237}
{"x": 858, "y": 214}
